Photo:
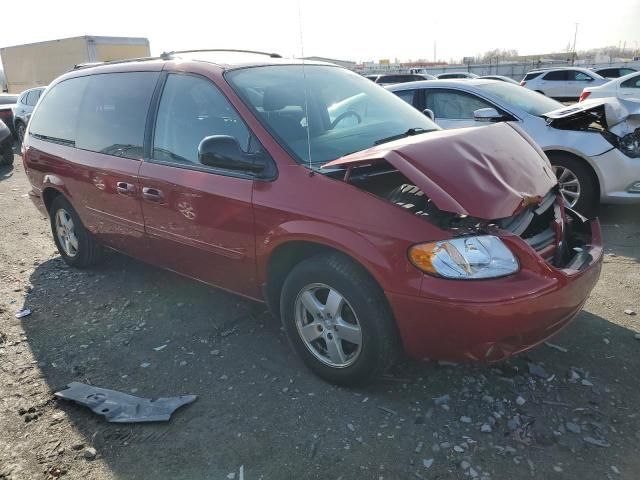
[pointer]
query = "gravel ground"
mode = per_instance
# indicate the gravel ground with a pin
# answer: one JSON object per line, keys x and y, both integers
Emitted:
{"x": 565, "y": 410}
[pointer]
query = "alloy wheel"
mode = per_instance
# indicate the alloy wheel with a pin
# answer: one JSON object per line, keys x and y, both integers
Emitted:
{"x": 328, "y": 325}
{"x": 21, "y": 131}
{"x": 569, "y": 185}
{"x": 65, "y": 231}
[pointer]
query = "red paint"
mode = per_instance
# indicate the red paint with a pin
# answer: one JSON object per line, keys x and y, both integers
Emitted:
{"x": 224, "y": 230}
{"x": 456, "y": 168}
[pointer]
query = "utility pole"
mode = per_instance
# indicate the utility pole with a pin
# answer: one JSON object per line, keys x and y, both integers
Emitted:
{"x": 575, "y": 36}
{"x": 435, "y": 59}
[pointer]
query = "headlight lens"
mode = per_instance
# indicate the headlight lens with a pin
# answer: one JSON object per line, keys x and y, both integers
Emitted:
{"x": 465, "y": 258}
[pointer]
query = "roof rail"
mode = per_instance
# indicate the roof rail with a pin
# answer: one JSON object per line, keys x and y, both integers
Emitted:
{"x": 167, "y": 55}
{"x": 80, "y": 66}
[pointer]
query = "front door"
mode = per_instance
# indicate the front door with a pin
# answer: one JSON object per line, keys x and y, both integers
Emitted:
{"x": 199, "y": 219}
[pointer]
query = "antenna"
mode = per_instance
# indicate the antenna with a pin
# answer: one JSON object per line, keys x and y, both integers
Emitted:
{"x": 304, "y": 86}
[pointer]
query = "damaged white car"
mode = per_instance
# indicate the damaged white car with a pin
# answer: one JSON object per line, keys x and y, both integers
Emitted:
{"x": 593, "y": 146}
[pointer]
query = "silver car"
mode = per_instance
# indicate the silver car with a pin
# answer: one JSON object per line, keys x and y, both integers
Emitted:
{"x": 594, "y": 160}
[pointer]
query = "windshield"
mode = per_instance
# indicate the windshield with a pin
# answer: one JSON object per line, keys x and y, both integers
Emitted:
{"x": 533, "y": 103}
{"x": 347, "y": 112}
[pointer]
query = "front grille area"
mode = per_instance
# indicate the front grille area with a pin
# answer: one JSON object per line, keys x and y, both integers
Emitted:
{"x": 538, "y": 226}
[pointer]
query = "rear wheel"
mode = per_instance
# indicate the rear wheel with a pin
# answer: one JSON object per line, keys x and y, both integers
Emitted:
{"x": 6, "y": 155}
{"x": 75, "y": 244}
{"x": 577, "y": 184}
{"x": 337, "y": 320}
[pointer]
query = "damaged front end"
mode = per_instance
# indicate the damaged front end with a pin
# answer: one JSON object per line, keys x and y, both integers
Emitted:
{"x": 617, "y": 120}
{"x": 479, "y": 184}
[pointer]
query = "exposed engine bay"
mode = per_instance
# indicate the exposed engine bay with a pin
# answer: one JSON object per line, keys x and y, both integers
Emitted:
{"x": 558, "y": 234}
{"x": 616, "y": 119}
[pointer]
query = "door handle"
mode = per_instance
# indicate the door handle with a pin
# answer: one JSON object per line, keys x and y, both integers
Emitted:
{"x": 125, "y": 188}
{"x": 152, "y": 194}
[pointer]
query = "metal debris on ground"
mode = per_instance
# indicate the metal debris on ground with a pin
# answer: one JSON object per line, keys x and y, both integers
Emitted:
{"x": 25, "y": 312}
{"x": 121, "y": 407}
{"x": 628, "y": 311}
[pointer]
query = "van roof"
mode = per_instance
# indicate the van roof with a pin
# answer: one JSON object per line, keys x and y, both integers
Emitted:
{"x": 223, "y": 58}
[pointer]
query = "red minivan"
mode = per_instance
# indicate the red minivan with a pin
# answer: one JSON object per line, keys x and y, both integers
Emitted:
{"x": 364, "y": 227}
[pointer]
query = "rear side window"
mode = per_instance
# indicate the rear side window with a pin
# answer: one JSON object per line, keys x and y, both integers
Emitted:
{"x": 531, "y": 76}
{"x": 557, "y": 75}
{"x": 57, "y": 116}
{"x": 608, "y": 72}
{"x": 113, "y": 113}
{"x": 631, "y": 83}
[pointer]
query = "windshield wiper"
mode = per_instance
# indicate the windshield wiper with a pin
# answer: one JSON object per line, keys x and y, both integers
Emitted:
{"x": 408, "y": 133}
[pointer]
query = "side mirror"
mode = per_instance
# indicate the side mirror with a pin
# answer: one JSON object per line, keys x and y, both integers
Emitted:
{"x": 487, "y": 115}
{"x": 429, "y": 113}
{"x": 223, "y": 151}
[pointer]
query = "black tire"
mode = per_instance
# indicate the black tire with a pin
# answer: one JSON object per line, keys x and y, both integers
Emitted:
{"x": 589, "y": 197}
{"x": 6, "y": 155}
{"x": 379, "y": 342}
{"x": 88, "y": 252}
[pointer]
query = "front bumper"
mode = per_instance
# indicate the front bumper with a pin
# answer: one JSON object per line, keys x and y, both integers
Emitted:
{"x": 490, "y": 320}
{"x": 617, "y": 173}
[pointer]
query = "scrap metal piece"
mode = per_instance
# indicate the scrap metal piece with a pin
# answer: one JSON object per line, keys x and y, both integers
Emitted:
{"x": 121, "y": 407}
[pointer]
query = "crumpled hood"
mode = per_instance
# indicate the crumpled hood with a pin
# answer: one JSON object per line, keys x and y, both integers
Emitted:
{"x": 620, "y": 116}
{"x": 486, "y": 172}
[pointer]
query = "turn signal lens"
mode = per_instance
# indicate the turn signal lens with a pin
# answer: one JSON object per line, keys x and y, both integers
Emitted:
{"x": 465, "y": 258}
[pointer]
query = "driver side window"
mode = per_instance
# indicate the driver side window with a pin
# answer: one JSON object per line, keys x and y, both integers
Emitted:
{"x": 192, "y": 108}
{"x": 453, "y": 105}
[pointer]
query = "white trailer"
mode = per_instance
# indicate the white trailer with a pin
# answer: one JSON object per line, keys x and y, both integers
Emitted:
{"x": 37, "y": 64}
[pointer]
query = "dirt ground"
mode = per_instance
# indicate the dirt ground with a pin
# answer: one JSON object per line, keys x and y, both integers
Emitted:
{"x": 565, "y": 411}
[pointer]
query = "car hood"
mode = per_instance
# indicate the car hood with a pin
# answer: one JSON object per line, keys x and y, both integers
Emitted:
{"x": 487, "y": 172}
{"x": 614, "y": 114}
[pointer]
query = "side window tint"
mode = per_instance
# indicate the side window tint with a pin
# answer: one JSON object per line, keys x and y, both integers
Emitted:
{"x": 32, "y": 98}
{"x": 57, "y": 115}
{"x": 114, "y": 113}
{"x": 557, "y": 75}
{"x": 406, "y": 95}
{"x": 581, "y": 77}
{"x": 631, "y": 83}
{"x": 454, "y": 105}
{"x": 192, "y": 108}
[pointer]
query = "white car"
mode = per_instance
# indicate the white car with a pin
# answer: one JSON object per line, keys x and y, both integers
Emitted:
{"x": 563, "y": 84}
{"x": 623, "y": 87}
{"x": 452, "y": 75}
{"x": 600, "y": 164}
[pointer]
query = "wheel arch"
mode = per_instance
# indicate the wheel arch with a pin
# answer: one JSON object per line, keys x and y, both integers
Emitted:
{"x": 287, "y": 254}
{"x": 555, "y": 152}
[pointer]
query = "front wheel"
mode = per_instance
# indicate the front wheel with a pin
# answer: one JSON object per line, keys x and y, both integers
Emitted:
{"x": 338, "y": 320}
{"x": 75, "y": 244}
{"x": 577, "y": 185}
{"x": 20, "y": 131}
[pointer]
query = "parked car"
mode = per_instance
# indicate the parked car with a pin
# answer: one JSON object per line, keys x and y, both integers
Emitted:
{"x": 614, "y": 72}
{"x": 357, "y": 235}
{"x": 458, "y": 75}
{"x": 624, "y": 87}
{"x": 592, "y": 165}
{"x": 24, "y": 108}
{"x": 500, "y": 78}
{"x": 563, "y": 84}
{"x": 391, "y": 78}
{"x": 6, "y": 145}
{"x": 7, "y": 104}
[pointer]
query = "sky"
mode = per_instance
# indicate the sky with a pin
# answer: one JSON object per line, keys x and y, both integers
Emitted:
{"x": 345, "y": 29}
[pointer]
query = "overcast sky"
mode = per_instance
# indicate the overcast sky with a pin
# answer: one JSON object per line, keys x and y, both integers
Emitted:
{"x": 346, "y": 29}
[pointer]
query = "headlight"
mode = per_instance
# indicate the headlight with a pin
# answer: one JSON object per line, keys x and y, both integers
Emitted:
{"x": 630, "y": 144}
{"x": 465, "y": 258}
